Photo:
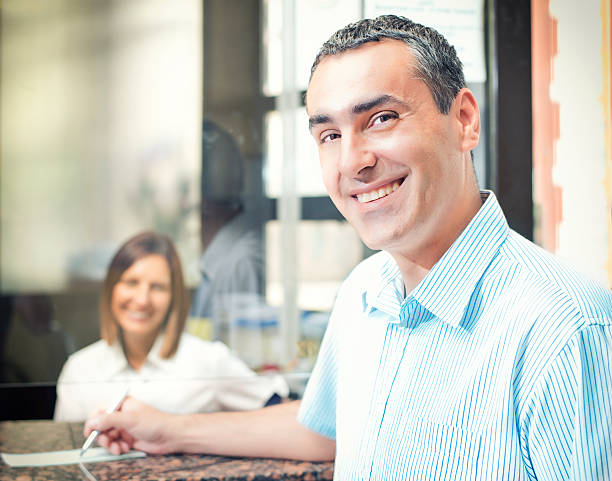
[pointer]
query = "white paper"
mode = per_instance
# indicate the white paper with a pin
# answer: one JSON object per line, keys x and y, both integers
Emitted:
{"x": 72, "y": 456}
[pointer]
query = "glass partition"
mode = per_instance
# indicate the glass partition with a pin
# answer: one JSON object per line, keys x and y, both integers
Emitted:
{"x": 185, "y": 119}
{"x": 100, "y": 139}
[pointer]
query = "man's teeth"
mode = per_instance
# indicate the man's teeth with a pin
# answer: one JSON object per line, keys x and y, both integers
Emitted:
{"x": 378, "y": 193}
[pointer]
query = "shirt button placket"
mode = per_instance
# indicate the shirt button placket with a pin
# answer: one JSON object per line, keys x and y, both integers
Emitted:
{"x": 374, "y": 424}
{"x": 384, "y": 384}
{"x": 374, "y": 421}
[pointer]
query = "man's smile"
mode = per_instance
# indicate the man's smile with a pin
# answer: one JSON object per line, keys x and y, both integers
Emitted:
{"x": 379, "y": 192}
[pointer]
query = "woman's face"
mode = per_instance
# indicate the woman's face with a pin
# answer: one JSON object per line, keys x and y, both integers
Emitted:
{"x": 142, "y": 296}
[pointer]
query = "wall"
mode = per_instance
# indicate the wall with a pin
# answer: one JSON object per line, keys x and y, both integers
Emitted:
{"x": 572, "y": 132}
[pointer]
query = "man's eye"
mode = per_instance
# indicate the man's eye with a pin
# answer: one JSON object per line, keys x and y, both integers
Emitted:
{"x": 383, "y": 117}
{"x": 329, "y": 137}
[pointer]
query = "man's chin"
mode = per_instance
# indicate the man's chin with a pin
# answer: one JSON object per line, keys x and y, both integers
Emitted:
{"x": 376, "y": 243}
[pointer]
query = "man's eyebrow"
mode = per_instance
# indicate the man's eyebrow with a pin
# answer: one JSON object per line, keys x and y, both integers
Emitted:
{"x": 358, "y": 109}
{"x": 375, "y": 102}
{"x": 317, "y": 120}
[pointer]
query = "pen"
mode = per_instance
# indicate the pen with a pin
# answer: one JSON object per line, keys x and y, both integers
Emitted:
{"x": 94, "y": 434}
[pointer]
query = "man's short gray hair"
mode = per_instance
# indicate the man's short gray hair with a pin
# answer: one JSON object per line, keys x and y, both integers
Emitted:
{"x": 437, "y": 62}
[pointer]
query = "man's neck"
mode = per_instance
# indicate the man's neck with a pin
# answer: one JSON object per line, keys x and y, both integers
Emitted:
{"x": 414, "y": 265}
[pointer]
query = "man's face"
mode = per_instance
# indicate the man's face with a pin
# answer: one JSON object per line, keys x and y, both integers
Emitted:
{"x": 392, "y": 163}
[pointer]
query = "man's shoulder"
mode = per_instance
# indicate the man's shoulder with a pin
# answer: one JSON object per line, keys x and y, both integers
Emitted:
{"x": 545, "y": 274}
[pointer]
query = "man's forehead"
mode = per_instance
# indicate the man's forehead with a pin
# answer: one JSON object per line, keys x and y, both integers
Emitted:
{"x": 374, "y": 51}
{"x": 361, "y": 75}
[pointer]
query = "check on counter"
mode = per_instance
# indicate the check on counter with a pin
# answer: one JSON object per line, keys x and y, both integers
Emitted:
{"x": 23, "y": 437}
{"x": 67, "y": 456}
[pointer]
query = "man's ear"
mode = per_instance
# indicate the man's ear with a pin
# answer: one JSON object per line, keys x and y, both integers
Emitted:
{"x": 465, "y": 108}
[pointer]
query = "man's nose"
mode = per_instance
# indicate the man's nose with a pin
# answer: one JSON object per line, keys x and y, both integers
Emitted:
{"x": 356, "y": 157}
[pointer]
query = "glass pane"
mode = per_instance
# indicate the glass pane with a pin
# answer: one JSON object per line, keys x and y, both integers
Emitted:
{"x": 308, "y": 172}
{"x": 100, "y": 128}
{"x": 99, "y": 138}
{"x": 328, "y": 250}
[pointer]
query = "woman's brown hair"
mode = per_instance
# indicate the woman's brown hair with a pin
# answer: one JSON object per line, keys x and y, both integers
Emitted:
{"x": 135, "y": 248}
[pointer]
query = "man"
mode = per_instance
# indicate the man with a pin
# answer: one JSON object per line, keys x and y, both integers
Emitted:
{"x": 232, "y": 263}
{"x": 462, "y": 351}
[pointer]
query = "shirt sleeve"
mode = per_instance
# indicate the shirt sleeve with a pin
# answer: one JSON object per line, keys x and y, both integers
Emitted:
{"x": 318, "y": 407}
{"x": 566, "y": 431}
{"x": 60, "y": 403}
{"x": 68, "y": 406}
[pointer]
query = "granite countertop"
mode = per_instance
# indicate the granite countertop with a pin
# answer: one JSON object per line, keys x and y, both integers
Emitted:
{"x": 36, "y": 436}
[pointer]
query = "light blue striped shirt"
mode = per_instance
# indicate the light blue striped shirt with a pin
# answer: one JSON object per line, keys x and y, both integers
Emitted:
{"x": 497, "y": 366}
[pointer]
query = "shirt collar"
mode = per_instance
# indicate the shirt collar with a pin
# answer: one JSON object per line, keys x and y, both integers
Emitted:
{"x": 448, "y": 287}
{"x": 385, "y": 292}
{"x": 153, "y": 357}
{"x": 117, "y": 362}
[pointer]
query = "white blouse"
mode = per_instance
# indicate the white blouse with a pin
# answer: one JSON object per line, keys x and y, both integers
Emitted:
{"x": 201, "y": 377}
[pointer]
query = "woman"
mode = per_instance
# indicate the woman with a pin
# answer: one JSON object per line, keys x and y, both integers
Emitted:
{"x": 143, "y": 309}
